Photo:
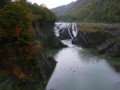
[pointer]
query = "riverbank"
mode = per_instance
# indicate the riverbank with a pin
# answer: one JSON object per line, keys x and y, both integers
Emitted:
{"x": 99, "y": 24}
{"x": 104, "y": 37}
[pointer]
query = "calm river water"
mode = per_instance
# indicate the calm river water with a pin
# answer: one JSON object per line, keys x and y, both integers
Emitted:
{"x": 80, "y": 69}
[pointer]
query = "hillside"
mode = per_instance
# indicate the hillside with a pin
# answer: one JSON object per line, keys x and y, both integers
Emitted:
{"x": 62, "y": 9}
{"x": 26, "y": 30}
{"x": 90, "y": 11}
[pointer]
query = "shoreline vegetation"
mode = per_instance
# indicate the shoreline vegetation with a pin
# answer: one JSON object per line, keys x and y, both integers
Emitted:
{"x": 24, "y": 29}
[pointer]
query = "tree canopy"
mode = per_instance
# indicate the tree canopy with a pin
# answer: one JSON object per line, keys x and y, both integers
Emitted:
{"x": 3, "y": 3}
{"x": 90, "y": 11}
{"x": 14, "y": 15}
{"x": 19, "y": 43}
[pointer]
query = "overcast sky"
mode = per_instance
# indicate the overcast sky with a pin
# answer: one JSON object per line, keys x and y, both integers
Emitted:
{"x": 51, "y": 3}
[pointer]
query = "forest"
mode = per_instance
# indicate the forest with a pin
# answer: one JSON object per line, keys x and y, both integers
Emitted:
{"x": 90, "y": 11}
{"x": 19, "y": 45}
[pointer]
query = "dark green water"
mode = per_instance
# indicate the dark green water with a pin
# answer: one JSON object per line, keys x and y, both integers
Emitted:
{"x": 80, "y": 69}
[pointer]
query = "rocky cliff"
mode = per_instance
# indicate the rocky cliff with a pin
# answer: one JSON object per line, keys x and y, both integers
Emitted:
{"x": 34, "y": 75}
{"x": 90, "y": 37}
{"x": 111, "y": 46}
{"x": 64, "y": 34}
{"x": 25, "y": 66}
{"x": 25, "y": 31}
{"x": 105, "y": 39}
{"x": 47, "y": 36}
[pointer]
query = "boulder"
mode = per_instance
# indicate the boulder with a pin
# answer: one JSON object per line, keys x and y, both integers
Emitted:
{"x": 46, "y": 35}
{"x": 64, "y": 34}
{"x": 89, "y": 39}
{"x": 114, "y": 51}
{"x": 105, "y": 46}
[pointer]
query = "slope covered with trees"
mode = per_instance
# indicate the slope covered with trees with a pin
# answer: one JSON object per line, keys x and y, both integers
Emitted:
{"x": 91, "y": 11}
{"x": 23, "y": 66}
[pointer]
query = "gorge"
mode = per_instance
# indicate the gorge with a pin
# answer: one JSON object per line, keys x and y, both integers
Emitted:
{"x": 71, "y": 51}
{"x": 81, "y": 68}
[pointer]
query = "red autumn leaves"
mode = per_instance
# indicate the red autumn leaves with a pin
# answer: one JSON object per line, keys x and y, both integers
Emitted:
{"x": 16, "y": 32}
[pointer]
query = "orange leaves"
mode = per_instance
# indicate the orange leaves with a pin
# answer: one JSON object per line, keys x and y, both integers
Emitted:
{"x": 18, "y": 29}
{"x": 4, "y": 32}
{"x": 22, "y": 75}
{"x": 16, "y": 32}
{"x": 18, "y": 72}
{"x": 88, "y": 29}
{"x": 33, "y": 50}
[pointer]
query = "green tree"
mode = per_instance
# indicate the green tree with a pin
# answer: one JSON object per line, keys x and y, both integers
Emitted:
{"x": 14, "y": 15}
{"x": 3, "y": 3}
{"x": 43, "y": 14}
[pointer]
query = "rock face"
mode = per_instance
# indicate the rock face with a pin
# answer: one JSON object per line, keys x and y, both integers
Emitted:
{"x": 35, "y": 71}
{"x": 110, "y": 48}
{"x": 107, "y": 43}
{"x": 47, "y": 36}
{"x": 89, "y": 39}
{"x": 105, "y": 46}
{"x": 45, "y": 66}
{"x": 64, "y": 34}
{"x": 114, "y": 51}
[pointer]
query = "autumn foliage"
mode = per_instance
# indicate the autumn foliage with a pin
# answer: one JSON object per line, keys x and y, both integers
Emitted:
{"x": 19, "y": 48}
{"x": 17, "y": 31}
{"x": 15, "y": 19}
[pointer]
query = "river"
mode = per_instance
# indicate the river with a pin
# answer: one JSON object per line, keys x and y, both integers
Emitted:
{"x": 79, "y": 69}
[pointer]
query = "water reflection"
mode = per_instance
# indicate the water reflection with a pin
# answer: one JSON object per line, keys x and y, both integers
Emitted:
{"x": 77, "y": 70}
